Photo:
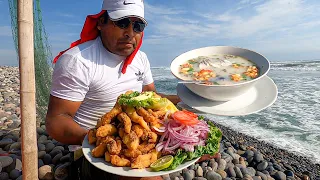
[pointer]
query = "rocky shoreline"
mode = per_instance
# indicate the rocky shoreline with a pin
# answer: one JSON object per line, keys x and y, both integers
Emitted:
{"x": 240, "y": 156}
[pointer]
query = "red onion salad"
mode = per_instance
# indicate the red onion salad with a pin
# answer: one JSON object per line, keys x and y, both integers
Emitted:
{"x": 177, "y": 135}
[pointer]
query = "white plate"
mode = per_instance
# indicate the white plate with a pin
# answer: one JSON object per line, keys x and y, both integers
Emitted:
{"x": 262, "y": 95}
{"x": 125, "y": 171}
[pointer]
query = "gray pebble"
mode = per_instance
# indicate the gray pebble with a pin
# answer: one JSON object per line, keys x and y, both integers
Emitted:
{"x": 211, "y": 162}
{"x": 270, "y": 169}
{"x": 222, "y": 164}
{"x": 187, "y": 176}
{"x": 199, "y": 178}
{"x": 41, "y": 154}
{"x": 230, "y": 171}
{"x": 262, "y": 175}
{"x": 222, "y": 173}
{"x": 277, "y": 167}
{"x": 66, "y": 158}
{"x": 4, "y": 176}
{"x": 193, "y": 173}
{"x": 214, "y": 166}
{"x": 5, "y": 142}
{"x": 58, "y": 147}
{"x": 199, "y": 172}
{"x": 258, "y": 157}
{"x": 280, "y": 176}
{"x": 61, "y": 173}
{"x": 262, "y": 165}
{"x": 251, "y": 171}
{"x": 42, "y": 138}
{"x": 191, "y": 167}
{"x": 49, "y": 147}
{"x": 230, "y": 165}
{"x": 54, "y": 152}
{"x": 47, "y": 159}
{"x": 248, "y": 154}
{"x": 41, "y": 147}
{"x": 14, "y": 174}
{"x": 19, "y": 178}
{"x": 211, "y": 175}
{"x": 15, "y": 146}
{"x": 6, "y": 161}
{"x": 176, "y": 178}
{"x": 166, "y": 177}
{"x": 173, "y": 175}
{"x": 40, "y": 163}
{"x": 238, "y": 172}
{"x": 256, "y": 177}
{"x": 196, "y": 166}
{"x": 227, "y": 144}
{"x": 204, "y": 165}
{"x": 40, "y": 131}
{"x": 56, "y": 159}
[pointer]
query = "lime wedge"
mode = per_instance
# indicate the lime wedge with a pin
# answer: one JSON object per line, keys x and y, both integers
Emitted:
{"x": 162, "y": 163}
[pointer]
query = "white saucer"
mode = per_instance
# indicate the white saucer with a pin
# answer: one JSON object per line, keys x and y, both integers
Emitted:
{"x": 262, "y": 95}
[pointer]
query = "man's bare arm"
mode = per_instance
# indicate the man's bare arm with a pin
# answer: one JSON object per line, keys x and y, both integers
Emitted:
{"x": 173, "y": 98}
{"x": 60, "y": 124}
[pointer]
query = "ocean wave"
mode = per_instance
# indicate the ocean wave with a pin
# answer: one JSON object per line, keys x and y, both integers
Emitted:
{"x": 297, "y": 65}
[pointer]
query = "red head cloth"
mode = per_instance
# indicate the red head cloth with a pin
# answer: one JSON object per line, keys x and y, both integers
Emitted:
{"x": 90, "y": 32}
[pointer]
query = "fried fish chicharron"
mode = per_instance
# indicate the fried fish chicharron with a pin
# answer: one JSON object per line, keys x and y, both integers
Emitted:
{"x": 124, "y": 136}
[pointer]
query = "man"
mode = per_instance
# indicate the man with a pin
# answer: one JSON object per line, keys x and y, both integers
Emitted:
{"x": 95, "y": 70}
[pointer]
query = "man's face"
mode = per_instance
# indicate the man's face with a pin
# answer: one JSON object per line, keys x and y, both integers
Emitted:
{"x": 120, "y": 41}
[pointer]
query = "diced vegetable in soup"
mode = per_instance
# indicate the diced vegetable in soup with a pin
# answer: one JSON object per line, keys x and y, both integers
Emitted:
{"x": 220, "y": 69}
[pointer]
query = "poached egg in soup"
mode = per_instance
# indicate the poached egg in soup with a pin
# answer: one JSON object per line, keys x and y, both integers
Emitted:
{"x": 219, "y": 69}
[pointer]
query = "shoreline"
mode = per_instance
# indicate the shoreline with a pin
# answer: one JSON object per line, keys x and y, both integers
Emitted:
{"x": 235, "y": 146}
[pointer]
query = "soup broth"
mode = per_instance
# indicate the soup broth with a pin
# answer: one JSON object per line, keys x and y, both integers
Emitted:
{"x": 219, "y": 69}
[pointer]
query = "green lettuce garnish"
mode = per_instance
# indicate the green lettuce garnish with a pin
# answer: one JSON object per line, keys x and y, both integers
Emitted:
{"x": 145, "y": 99}
{"x": 211, "y": 147}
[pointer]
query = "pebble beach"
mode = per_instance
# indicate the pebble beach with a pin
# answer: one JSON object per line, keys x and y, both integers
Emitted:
{"x": 240, "y": 156}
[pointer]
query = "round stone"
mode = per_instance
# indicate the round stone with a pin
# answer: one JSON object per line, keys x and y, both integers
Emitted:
{"x": 45, "y": 172}
{"x": 14, "y": 174}
{"x": 4, "y": 176}
{"x": 211, "y": 175}
{"x": 41, "y": 154}
{"x": 5, "y": 161}
{"x": 41, "y": 147}
{"x": 49, "y": 147}
{"x": 280, "y": 176}
{"x": 199, "y": 172}
{"x": 47, "y": 159}
{"x": 56, "y": 159}
{"x": 61, "y": 173}
{"x": 262, "y": 166}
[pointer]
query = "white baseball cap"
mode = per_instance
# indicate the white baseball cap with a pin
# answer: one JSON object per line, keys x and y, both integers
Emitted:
{"x": 119, "y": 9}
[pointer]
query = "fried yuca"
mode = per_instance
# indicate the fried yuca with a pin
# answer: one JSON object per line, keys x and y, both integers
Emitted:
{"x": 124, "y": 136}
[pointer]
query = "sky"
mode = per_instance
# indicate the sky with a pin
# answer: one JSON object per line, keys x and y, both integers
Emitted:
{"x": 281, "y": 30}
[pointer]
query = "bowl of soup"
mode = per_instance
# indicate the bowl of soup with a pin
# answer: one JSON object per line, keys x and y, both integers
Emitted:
{"x": 220, "y": 73}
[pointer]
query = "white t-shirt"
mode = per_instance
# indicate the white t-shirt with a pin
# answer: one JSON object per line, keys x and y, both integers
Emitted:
{"x": 91, "y": 74}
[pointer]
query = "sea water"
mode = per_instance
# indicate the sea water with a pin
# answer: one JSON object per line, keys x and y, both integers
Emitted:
{"x": 291, "y": 123}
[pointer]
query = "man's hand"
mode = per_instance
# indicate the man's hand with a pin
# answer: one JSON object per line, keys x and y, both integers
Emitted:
{"x": 208, "y": 157}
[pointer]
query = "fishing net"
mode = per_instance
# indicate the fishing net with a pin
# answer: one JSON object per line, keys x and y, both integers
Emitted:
{"x": 42, "y": 56}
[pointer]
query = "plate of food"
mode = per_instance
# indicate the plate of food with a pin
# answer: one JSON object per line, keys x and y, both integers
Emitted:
{"x": 145, "y": 135}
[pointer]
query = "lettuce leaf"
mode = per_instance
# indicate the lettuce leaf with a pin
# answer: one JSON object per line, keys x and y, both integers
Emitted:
{"x": 211, "y": 147}
{"x": 146, "y": 99}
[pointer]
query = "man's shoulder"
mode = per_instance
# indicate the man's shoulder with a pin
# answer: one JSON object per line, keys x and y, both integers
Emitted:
{"x": 141, "y": 55}
{"x": 82, "y": 48}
